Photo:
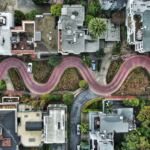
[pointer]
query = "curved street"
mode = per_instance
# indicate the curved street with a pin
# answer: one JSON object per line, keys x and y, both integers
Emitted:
{"x": 108, "y": 89}
{"x": 75, "y": 115}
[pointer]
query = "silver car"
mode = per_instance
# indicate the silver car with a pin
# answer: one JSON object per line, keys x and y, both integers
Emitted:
{"x": 78, "y": 147}
{"x": 78, "y": 129}
{"x": 29, "y": 69}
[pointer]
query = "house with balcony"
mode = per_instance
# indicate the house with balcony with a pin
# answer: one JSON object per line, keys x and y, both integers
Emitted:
{"x": 137, "y": 22}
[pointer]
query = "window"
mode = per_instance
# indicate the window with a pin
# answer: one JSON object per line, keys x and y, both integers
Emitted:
{"x": 37, "y": 114}
{"x": 26, "y": 116}
{"x": 32, "y": 140}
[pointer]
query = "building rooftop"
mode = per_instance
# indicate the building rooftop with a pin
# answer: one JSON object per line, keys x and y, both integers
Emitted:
{"x": 6, "y": 23}
{"x": 29, "y": 138}
{"x": 146, "y": 30}
{"x": 54, "y": 124}
{"x": 8, "y": 124}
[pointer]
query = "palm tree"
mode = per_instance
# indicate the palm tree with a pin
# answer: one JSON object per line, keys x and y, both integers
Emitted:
{"x": 97, "y": 27}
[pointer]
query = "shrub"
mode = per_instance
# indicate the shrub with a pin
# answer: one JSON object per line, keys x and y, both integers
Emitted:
{"x": 88, "y": 19}
{"x": 67, "y": 98}
{"x": 19, "y": 16}
{"x": 131, "y": 102}
{"x": 83, "y": 3}
{"x": 39, "y": 2}
{"x": 99, "y": 53}
{"x": 84, "y": 127}
{"x": 46, "y": 97}
{"x": 56, "y": 9}
{"x": 58, "y": 97}
{"x": 54, "y": 60}
{"x": 2, "y": 85}
{"x": 42, "y": 104}
{"x": 94, "y": 8}
{"x": 86, "y": 61}
{"x": 84, "y": 84}
{"x": 117, "y": 50}
{"x": 31, "y": 15}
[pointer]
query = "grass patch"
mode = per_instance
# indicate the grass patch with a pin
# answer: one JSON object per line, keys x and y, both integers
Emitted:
{"x": 95, "y": 105}
{"x": 17, "y": 80}
{"x": 69, "y": 80}
{"x": 113, "y": 69}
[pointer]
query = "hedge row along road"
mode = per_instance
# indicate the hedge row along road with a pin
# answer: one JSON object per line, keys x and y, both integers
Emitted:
{"x": 108, "y": 89}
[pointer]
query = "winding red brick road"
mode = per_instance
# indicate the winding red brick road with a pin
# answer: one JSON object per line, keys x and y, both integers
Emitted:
{"x": 108, "y": 89}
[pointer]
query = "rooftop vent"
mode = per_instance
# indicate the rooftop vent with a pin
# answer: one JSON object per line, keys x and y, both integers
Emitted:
{"x": 73, "y": 17}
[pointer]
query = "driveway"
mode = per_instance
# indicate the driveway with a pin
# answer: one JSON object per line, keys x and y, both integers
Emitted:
{"x": 75, "y": 115}
{"x": 28, "y": 5}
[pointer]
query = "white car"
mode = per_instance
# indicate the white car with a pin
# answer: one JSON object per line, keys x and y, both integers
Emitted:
{"x": 78, "y": 129}
{"x": 78, "y": 147}
{"x": 29, "y": 69}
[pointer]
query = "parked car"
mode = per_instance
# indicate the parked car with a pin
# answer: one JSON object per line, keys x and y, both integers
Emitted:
{"x": 29, "y": 69}
{"x": 78, "y": 147}
{"x": 93, "y": 65}
{"x": 78, "y": 129}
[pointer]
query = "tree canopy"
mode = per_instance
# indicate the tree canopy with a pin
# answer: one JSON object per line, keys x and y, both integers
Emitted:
{"x": 54, "y": 60}
{"x": 19, "y": 16}
{"x": 67, "y": 98}
{"x": 99, "y": 53}
{"x": 97, "y": 27}
{"x": 31, "y": 15}
{"x": 84, "y": 84}
{"x": 131, "y": 102}
{"x": 88, "y": 19}
{"x": 94, "y": 8}
{"x": 56, "y": 9}
{"x": 135, "y": 142}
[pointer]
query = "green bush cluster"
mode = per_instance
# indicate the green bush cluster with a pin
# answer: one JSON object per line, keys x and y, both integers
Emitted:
{"x": 84, "y": 84}
{"x": 88, "y": 104}
{"x": 67, "y": 99}
{"x": 31, "y": 15}
{"x": 84, "y": 127}
{"x": 54, "y": 60}
{"x": 88, "y": 19}
{"x": 2, "y": 85}
{"x": 117, "y": 50}
{"x": 56, "y": 9}
{"x": 49, "y": 97}
{"x": 19, "y": 16}
{"x": 94, "y": 8}
{"x": 99, "y": 53}
{"x": 131, "y": 102}
{"x": 83, "y": 3}
{"x": 86, "y": 61}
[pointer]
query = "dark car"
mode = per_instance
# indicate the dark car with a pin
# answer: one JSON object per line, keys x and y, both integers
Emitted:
{"x": 93, "y": 65}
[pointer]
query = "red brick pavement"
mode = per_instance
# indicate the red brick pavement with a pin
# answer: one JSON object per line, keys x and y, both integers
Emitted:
{"x": 108, "y": 89}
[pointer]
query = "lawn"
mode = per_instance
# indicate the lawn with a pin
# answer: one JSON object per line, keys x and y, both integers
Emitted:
{"x": 137, "y": 83}
{"x": 42, "y": 71}
{"x": 69, "y": 80}
{"x": 113, "y": 69}
{"x": 17, "y": 80}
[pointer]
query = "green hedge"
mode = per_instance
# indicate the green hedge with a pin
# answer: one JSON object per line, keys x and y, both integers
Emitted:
{"x": 88, "y": 104}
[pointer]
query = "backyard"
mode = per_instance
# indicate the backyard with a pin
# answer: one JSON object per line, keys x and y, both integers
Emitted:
{"x": 113, "y": 69}
{"x": 42, "y": 71}
{"x": 137, "y": 83}
{"x": 17, "y": 80}
{"x": 69, "y": 80}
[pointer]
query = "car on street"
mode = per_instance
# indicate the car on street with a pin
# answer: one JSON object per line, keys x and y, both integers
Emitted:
{"x": 78, "y": 147}
{"x": 93, "y": 65}
{"x": 29, "y": 69}
{"x": 78, "y": 129}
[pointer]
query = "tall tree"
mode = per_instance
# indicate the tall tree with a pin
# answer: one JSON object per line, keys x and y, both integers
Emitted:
{"x": 31, "y": 15}
{"x": 19, "y": 16}
{"x": 94, "y": 8}
{"x": 97, "y": 27}
{"x": 54, "y": 60}
{"x": 56, "y": 9}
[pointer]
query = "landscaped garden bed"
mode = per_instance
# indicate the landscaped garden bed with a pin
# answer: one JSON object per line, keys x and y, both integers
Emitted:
{"x": 137, "y": 83}
{"x": 17, "y": 80}
{"x": 2, "y": 85}
{"x": 69, "y": 80}
{"x": 113, "y": 69}
{"x": 42, "y": 71}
